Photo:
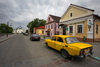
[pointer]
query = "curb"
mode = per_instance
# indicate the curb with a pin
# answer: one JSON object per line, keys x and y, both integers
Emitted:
{"x": 4, "y": 40}
{"x": 95, "y": 58}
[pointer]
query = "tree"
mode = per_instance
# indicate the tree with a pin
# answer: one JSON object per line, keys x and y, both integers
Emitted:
{"x": 4, "y": 28}
{"x": 36, "y": 23}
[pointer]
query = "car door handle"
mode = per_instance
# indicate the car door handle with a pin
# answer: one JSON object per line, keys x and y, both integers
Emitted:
{"x": 66, "y": 46}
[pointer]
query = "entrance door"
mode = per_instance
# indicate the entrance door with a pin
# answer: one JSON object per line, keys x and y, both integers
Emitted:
{"x": 71, "y": 30}
{"x": 48, "y": 33}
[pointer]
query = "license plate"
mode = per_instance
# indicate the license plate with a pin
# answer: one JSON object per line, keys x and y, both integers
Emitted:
{"x": 87, "y": 51}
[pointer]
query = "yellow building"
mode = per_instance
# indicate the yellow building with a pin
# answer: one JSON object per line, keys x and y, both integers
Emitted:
{"x": 39, "y": 30}
{"x": 80, "y": 22}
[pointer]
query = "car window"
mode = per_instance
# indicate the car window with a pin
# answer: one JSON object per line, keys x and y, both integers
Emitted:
{"x": 70, "y": 40}
{"x": 59, "y": 39}
{"x": 53, "y": 38}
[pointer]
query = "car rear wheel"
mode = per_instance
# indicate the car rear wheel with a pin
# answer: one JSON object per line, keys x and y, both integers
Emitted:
{"x": 64, "y": 54}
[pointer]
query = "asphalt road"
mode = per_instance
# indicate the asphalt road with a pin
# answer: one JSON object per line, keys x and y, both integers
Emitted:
{"x": 19, "y": 51}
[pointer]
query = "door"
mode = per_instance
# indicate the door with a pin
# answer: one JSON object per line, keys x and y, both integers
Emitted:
{"x": 52, "y": 42}
{"x": 59, "y": 43}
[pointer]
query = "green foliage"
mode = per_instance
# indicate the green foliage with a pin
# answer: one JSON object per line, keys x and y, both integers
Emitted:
{"x": 5, "y": 28}
{"x": 36, "y": 23}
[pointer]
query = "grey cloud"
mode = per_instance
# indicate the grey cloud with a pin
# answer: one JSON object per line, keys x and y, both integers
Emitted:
{"x": 23, "y": 11}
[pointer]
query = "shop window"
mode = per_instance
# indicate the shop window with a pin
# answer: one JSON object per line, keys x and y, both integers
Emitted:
{"x": 79, "y": 28}
{"x": 70, "y": 29}
{"x": 96, "y": 29}
{"x": 42, "y": 32}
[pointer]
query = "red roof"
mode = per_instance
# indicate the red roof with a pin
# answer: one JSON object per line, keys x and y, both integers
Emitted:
{"x": 40, "y": 27}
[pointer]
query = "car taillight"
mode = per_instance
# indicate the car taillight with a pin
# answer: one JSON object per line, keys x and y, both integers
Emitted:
{"x": 83, "y": 51}
{"x": 91, "y": 48}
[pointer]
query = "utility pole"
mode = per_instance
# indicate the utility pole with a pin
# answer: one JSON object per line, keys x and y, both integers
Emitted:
{"x": 7, "y": 29}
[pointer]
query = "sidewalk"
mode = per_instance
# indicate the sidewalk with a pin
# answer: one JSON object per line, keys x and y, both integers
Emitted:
{"x": 4, "y": 38}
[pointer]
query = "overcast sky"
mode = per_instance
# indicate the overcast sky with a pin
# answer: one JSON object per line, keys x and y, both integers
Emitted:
{"x": 20, "y": 12}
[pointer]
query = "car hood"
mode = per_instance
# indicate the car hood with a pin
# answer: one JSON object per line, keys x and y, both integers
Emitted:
{"x": 81, "y": 45}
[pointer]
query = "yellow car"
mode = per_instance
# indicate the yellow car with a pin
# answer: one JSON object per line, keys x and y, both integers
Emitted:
{"x": 69, "y": 46}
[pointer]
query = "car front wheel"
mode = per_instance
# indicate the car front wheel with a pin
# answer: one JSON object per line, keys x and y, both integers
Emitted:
{"x": 64, "y": 54}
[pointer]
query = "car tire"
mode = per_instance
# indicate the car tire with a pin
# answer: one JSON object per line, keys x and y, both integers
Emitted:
{"x": 64, "y": 54}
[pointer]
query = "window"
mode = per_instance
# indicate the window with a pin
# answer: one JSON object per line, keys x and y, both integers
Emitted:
{"x": 70, "y": 29}
{"x": 56, "y": 25}
{"x": 49, "y": 19}
{"x": 53, "y": 38}
{"x": 51, "y": 26}
{"x": 71, "y": 14}
{"x": 96, "y": 29}
{"x": 59, "y": 39}
{"x": 42, "y": 31}
{"x": 45, "y": 26}
{"x": 79, "y": 28}
{"x": 70, "y": 40}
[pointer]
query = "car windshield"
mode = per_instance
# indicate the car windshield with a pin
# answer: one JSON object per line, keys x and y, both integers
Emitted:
{"x": 70, "y": 40}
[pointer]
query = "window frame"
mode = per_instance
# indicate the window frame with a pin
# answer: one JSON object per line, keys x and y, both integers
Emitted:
{"x": 60, "y": 41}
{"x": 54, "y": 37}
{"x": 97, "y": 28}
{"x": 71, "y": 14}
{"x": 72, "y": 28}
{"x": 77, "y": 28}
{"x": 52, "y": 26}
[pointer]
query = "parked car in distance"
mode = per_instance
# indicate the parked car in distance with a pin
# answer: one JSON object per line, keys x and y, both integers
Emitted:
{"x": 26, "y": 34}
{"x": 34, "y": 37}
{"x": 69, "y": 46}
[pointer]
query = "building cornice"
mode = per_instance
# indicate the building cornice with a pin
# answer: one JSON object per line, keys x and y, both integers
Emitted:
{"x": 76, "y": 19}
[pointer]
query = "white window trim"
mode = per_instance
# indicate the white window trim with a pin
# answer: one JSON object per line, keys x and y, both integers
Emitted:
{"x": 73, "y": 30}
{"x": 77, "y": 30}
{"x": 68, "y": 28}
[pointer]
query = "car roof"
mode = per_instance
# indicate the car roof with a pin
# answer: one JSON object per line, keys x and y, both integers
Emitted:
{"x": 63, "y": 36}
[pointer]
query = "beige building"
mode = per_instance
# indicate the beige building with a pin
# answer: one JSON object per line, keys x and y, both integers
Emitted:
{"x": 80, "y": 22}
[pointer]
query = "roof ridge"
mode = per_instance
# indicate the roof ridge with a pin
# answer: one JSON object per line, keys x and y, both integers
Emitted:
{"x": 82, "y": 7}
{"x": 54, "y": 16}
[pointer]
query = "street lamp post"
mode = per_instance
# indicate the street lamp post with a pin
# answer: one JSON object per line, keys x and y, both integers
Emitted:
{"x": 7, "y": 28}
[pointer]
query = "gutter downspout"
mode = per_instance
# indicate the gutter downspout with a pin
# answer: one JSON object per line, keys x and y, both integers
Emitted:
{"x": 94, "y": 29}
{"x": 55, "y": 28}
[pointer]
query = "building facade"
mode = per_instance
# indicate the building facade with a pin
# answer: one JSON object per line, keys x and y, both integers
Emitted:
{"x": 52, "y": 25}
{"x": 39, "y": 30}
{"x": 80, "y": 22}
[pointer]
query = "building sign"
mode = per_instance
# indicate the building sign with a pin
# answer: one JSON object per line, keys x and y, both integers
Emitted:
{"x": 90, "y": 28}
{"x": 90, "y": 25}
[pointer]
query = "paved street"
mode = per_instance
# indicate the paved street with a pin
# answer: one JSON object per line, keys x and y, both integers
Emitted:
{"x": 19, "y": 51}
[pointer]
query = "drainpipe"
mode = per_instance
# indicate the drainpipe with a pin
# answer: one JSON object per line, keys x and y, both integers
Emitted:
{"x": 55, "y": 28}
{"x": 94, "y": 29}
